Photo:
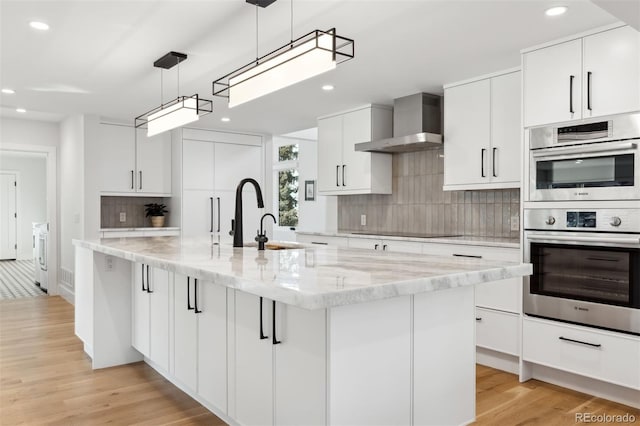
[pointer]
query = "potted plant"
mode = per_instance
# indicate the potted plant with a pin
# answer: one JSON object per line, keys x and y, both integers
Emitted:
{"x": 156, "y": 212}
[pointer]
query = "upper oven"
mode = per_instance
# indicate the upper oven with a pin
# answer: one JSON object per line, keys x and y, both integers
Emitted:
{"x": 592, "y": 161}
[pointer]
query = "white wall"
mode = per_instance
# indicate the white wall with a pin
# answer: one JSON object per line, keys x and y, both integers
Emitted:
{"x": 32, "y": 194}
{"x": 17, "y": 131}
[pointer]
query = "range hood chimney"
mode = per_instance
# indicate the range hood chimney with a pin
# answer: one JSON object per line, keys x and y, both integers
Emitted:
{"x": 417, "y": 125}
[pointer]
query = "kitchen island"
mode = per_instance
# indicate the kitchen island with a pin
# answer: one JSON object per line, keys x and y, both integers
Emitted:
{"x": 310, "y": 335}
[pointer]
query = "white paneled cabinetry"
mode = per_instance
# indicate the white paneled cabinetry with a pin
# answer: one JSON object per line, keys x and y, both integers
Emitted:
{"x": 342, "y": 170}
{"x": 591, "y": 76}
{"x": 483, "y": 133}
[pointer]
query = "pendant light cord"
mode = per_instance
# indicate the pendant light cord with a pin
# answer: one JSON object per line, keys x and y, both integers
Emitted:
{"x": 257, "y": 55}
{"x": 292, "y": 22}
{"x": 178, "y": 86}
{"x": 161, "y": 88}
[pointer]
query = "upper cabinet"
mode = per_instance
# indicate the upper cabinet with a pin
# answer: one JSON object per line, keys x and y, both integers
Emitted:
{"x": 586, "y": 77}
{"x": 482, "y": 133}
{"x": 130, "y": 164}
{"x": 342, "y": 170}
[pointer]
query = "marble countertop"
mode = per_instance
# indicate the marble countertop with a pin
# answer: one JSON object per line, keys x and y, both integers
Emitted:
{"x": 312, "y": 277}
{"x": 143, "y": 228}
{"x": 466, "y": 240}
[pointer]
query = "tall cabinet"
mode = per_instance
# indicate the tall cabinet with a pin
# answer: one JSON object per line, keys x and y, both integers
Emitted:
{"x": 209, "y": 166}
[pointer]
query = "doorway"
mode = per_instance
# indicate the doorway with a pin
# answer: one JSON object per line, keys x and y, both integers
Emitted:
{"x": 8, "y": 216}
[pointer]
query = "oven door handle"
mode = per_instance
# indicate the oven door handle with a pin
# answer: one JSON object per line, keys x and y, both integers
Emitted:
{"x": 582, "y": 239}
{"x": 610, "y": 147}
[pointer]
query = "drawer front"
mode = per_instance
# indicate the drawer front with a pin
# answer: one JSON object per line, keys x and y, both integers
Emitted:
{"x": 323, "y": 240}
{"x": 610, "y": 357}
{"x": 386, "y": 245}
{"x": 503, "y": 295}
{"x": 173, "y": 233}
{"x": 498, "y": 331}
{"x": 365, "y": 243}
{"x": 491, "y": 253}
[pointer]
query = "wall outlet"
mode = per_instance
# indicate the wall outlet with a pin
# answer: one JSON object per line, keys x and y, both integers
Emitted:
{"x": 123, "y": 216}
{"x": 363, "y": 220}
{"x": 108, "y": 266}
{"x": 515, "y": 223}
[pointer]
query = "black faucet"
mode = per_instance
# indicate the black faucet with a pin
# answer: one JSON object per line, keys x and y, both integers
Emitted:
{"x": 261, "y": 238}
{"x": 236, "y": 224}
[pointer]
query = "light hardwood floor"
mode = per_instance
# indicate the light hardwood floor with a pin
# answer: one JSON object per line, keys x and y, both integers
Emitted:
{"x": 45, "y": 378}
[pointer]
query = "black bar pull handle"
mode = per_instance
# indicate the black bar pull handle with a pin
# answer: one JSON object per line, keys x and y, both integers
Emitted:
{"x": 211, "y": 214}
{"x": 132, "y": 184}
{"x": 375, "y": 247}
{"x": 189, "y": 307}
{"x": 343, "y": 167}
{"x": 384, "y": 247}
{"x": 589, "y": 90}
{"x": 594, "y": 345}
{"x": 262, "y": 335}
{"x": 148, "y": 282}
{"x": 478, "y": 319}
{"x": 337, "y": 171}
{"x": 571, "y": 77}
{"x": 140, "y": 178}
{"x": 493, "y": 162}
{"x": 273, "y": 326}
{"x": 218, "y": 213}
{"x": 482, "y": 151}
{"x": 195, "y": 296}
{"x": 142, "y": 269}
{"x": 467, "y": 255}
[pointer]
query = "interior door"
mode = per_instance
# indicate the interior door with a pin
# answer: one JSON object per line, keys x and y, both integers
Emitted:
{"x": 8, "y": 216}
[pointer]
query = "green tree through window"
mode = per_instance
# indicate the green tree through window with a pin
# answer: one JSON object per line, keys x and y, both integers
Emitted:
{"x": 288, "y": 188}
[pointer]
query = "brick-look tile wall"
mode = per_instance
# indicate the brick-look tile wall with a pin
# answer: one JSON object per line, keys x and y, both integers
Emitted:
{"x": 419, "y": 205}
{"x": 110, "y": 208}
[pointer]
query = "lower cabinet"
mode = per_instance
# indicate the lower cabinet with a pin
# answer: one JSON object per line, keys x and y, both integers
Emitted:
{"x": 280, "y": 363}
{"x": 386, "y": 245}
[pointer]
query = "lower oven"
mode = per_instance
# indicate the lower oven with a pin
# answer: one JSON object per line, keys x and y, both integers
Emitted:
{"x": 586, "y": 266}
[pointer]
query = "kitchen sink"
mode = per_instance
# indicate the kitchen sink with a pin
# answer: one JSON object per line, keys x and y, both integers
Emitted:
{"x": 277, "y": 245}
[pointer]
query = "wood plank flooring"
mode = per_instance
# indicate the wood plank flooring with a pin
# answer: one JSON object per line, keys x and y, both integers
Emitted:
{"x": 45, "y": 378}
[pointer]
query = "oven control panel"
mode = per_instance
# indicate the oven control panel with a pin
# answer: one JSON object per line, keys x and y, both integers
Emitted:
{"x": 585, "y": 220}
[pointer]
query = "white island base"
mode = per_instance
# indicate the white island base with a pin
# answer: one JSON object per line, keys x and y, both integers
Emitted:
{"x": 404, "y": 360}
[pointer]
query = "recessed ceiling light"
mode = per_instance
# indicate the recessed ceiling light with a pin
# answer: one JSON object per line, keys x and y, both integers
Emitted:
{"x": 39, "y": 25}
{"x": 327, "y": 87}
{"x": 21, "y": 110}
{"x": 8, "y": 91}
{"x": 555, "y": 11}
{"x": 225, "y": 119}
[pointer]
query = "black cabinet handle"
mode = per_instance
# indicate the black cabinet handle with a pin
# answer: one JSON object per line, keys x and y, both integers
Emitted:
{"x": 218, "y": 213}
{"x": 211, "y": 214}
{"x": 384, "y": 247}
{"x": 482, "y": 151}
{"x": 571, "y": 77}
{"x": 566, "y": 339}
{"x": 140, "y": 178}
{"x": 343, "y": 167}
{"x": 142, "y": 270}
{"x": 589, "y": 90}
{"x": 132, "y": 185}
{"x": 493, "y": 161}
{"x": 189, "y": 307}
{"x": 337, "y": 171}
{"x": 195, "y": 296}
{"x": 478, "y": 319}
{"x": 148, "y": 286}
{"x": 273, "y": 329}
{"x": 376, "y": 247}
{"x": 467, "y": 255}
{"x": 262, "y": 335}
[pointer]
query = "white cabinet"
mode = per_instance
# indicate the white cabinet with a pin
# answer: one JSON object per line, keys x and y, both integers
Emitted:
{"x": 150, "y": 314}
{"x": 586, "y": 77}
{"x": 130, "y": 162}
{"x": 322, "y": 240}
{"x": 295, "y": 367}
{"x": 498, "y": 331}
{"x": 482, "y": 130}
{"x": 342, "y": 170}
{"x": 385, "y": 245}
{"x": 185, "y": 331}
{"x": 211, "y": 172}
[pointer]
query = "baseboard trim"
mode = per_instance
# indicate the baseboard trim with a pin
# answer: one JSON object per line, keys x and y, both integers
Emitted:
{"x": 497, "y": 360}
{"x": 66, "y": 292}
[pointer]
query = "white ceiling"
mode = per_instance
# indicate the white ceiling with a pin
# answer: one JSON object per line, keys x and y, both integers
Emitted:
{"x": 98, "y": 56}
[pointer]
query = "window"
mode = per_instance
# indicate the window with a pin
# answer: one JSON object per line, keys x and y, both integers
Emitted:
{"x": 288, "y": 184}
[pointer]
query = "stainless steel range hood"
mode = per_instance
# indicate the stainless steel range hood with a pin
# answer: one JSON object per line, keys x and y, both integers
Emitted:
{"x": 417, "y": 125}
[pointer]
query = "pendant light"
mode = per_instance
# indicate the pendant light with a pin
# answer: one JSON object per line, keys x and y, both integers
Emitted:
{"x": 305, "y": 57}
{"x": 177, "y": 112}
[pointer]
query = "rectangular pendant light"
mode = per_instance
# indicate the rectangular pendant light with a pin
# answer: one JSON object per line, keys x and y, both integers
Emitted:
{"x": 178, "y": 112}
{"x": 306, "y": 57}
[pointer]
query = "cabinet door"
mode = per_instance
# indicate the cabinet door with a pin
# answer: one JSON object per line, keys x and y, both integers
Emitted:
{"x": 236, "y": 162}
{"x": 355, "y": 170}
{"x": 140, "y": 311}
{"x": 159, "y": 317}
{"x": 329, "y": 154}
{"x": 505, "y": 128}
{"x": 467, "y": 120}
{"x": 253, "y": 361}
{"x": 185, "y": 332}
{"x": 300, "y": 366}
{"x": 613, "y": 60}
{"x": 212, "y": 344}
{"x": 197, "y": 161}
{"x": 199, "y": 213}
{"x": 549, "y": 91}
{"x": 153, "y": 163}
{"x": 116, "y": 153}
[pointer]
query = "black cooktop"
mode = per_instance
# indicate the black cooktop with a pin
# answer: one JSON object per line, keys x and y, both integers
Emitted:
{"x": 407, "y": 234}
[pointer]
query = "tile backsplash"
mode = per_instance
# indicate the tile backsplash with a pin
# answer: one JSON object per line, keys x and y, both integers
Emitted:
{"x": 133, "y": 207}
{"x": 419, "y": 205}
